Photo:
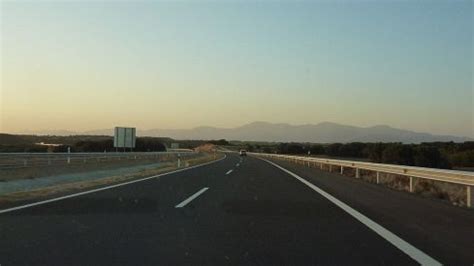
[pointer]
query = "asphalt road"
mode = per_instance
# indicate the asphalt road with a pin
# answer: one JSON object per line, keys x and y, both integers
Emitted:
{"x": 256, "y": 214}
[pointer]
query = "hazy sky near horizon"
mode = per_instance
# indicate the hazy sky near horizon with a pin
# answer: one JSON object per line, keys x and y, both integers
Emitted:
{"x": 82, "y": 65}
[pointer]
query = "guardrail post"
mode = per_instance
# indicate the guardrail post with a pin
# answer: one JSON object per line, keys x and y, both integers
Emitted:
{"x": 330, "y": 168}
{"x": 25, "y": 162}
{"x": 468, "y": 197}
{"x": 378, "y": 177}
{"x": 342, "y": 170}
{"x": 357, "y": 173}
{"x": 411, "y": 183}
{"x": 321, "y": 166}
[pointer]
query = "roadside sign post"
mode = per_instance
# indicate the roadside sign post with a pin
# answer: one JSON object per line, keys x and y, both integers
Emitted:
{"x": 68, "y": 157}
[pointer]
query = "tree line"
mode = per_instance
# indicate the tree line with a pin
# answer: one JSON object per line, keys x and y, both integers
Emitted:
{"x": 91, "y": 143}
{"x": 444, "y": 155}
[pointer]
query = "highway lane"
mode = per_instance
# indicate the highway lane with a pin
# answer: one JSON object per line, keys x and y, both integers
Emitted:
{"x": 250, "y": 213}
{"x": 438, "y": 228}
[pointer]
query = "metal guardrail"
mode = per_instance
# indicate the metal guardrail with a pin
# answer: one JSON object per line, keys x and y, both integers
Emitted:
{"x": 450, "y": 176}
{"x": 22, "y": 160}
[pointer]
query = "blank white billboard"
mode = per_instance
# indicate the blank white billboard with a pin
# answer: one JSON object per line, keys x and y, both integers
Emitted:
{"x": 124, "y": 137}
{"x": 174, "y": 145}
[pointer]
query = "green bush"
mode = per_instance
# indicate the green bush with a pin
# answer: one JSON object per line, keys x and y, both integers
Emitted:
{"x": 397, "y": 153}
{"x": 463, "y": 159}
{"x": 430, "y": 156}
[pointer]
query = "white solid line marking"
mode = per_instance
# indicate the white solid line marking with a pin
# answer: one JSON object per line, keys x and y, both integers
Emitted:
{"x": 188, "y": 200}
{"x": 228, "y": 172}
{"x": 103, "y": 188}
{"x": 401, "y": 244}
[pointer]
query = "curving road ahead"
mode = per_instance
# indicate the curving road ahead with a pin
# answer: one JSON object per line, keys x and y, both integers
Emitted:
{"x": 240, "y": 211}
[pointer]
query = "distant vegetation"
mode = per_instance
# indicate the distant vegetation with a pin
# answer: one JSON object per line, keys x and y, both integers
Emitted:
{"x": 87, "y": 143}
{"x": 221, "y": 142}
{"x": 446, "y": 155}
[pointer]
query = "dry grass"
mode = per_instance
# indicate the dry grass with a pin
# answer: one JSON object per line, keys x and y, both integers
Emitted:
{"x": 206, "y": 148}
{"x": 59, "y": 169}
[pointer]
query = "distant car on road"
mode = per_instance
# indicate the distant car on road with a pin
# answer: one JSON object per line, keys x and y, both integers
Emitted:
{"x": 243, "y": 153}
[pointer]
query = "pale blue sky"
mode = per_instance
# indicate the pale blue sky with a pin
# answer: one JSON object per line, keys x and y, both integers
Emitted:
{"x": 82, "y": 65}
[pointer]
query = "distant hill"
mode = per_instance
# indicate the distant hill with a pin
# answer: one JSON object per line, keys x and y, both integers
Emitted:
{"x": 320, "y": 133}
{"x": 325, "y": 132}
{"x": 10, "y": 139}
{"x": 13, "y": 139}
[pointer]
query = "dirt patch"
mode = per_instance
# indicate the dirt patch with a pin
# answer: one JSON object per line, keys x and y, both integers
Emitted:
{"x": 206, "y": 148}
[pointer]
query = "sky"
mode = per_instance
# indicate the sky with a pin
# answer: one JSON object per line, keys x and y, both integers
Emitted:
{"x": 84, "y": 65}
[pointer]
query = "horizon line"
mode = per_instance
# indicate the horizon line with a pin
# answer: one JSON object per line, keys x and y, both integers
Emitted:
{"x": 87, "y": 132}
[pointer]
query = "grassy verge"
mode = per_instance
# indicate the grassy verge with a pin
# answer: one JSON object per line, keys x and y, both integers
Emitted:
{"x": 73, "y": 168}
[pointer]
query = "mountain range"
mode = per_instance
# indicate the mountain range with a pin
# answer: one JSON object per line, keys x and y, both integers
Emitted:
{"x": 325, "y": 132}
